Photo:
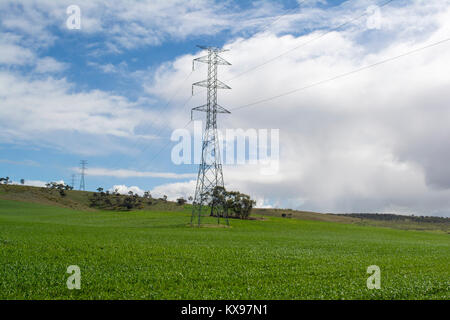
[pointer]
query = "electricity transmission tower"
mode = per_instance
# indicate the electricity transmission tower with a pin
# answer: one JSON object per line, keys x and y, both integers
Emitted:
{"x": 210, "y": 173}
{"x": 73, "y": 181}
{"x": 83, "y": 164}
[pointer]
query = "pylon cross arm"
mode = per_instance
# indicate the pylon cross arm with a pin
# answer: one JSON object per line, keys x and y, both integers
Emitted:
{"x": 204, "y": 59}
{"x": 220, "y": 109}
{"x": 222, "y": 61}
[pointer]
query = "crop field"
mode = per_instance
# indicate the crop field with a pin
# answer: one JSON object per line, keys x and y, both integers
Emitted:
{"x": 152, "y": 254}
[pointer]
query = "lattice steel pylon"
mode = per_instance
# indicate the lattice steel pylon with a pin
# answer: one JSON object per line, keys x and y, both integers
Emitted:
{"x": 73, "y": 181}
{"x": 83, "y": 164}
{"x": 210, "y": 173}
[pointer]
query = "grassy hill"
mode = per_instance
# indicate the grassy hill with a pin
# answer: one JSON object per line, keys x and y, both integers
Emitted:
{"x": 431, "y": 224}
{"x": 154, "y": 254}
{"x": 74, "y": 199}
{"x": 80, "y": 200}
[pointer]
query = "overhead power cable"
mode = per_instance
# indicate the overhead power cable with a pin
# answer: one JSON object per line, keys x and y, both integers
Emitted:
{"x": 340, "y": 75}
{"x": 304, "y": 43}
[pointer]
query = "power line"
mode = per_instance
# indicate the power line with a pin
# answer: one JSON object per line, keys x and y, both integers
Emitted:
{"x": 269, "y": 61}
{"x": 290, "y": 50}
{"x": 341, "y": 75}
{"x": 176, "y": 92}
{"x": 190, "y": 97}
{"x": 194, "y": 94}
{"x": 304, "y": 43}
{"x": 156, "y": 155}
{"x": 317, "y": 84}
{"x": 286, "y": 12}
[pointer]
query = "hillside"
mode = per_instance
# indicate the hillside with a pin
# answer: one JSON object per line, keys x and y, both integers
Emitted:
{"x": 434, "y": 224}
{"x": 79, "y": 200}
{"x": 74, "y": 199}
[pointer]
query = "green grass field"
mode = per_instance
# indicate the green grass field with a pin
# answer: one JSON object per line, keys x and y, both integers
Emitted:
{"x": 156, "y": 255}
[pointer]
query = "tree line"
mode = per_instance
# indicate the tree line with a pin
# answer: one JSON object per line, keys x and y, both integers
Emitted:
{"x": 233, "y": 203}
{"x": 115, "y": 201}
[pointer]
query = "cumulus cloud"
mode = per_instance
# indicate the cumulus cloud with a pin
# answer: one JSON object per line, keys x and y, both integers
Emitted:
{"x": 131, "y": 24}
{"x": 175, "y": 190}
{"x": 12, "y": 53}
{"x": 36, "y": 183}
{"x": 48, "y": 112}
{"x": 125, "y": 173}
{"x": 49, "y": 65}
{"x": 375, "y": 141}
{"x": 172, "y": 190}
{"x": 123, "y": 189}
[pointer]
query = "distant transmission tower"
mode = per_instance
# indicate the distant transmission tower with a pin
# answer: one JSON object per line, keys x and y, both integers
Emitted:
{"x": 210, "y": 173}
{"x": 73, "y": 181}
{"x": 83, "y": 164}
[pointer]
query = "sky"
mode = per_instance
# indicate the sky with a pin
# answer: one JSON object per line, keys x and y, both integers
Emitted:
{"x": 351, "y": 139}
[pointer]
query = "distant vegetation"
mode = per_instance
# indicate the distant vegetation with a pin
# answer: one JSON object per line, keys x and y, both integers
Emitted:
{"x": 235, "y": 204}
{"x": 60, "y": 187}
{"x": 5, "y": 180}
{"x": 115, "y": 201}
{"x": 396, "y": 217}
{"x": 239, "y": 206}
{"x": 74, "y": 199}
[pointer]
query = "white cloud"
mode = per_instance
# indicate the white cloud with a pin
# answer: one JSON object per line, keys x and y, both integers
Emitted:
{"x": 130, "y": 24}
{"x": 110, "y": 68}
{"x": 123, "y": 189}
{"x": 373, "y": 141}
{"x": 36, "y": 183}
{"x": 175, "y": 190}
{"x": 48, "y": 112}
{"x": 22, "y": 163}
{"x": 11, "y": 53}
{"x": 49, "y": 65}
{"x": 124, "y": 173}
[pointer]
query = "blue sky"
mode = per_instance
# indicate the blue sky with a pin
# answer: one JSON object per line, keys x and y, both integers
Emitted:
{"x": 113, "y": 92}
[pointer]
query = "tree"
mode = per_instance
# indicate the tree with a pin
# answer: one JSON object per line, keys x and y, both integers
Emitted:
{"x": 22, "y": 181}
{"x": 5, "y": 181}
{"x": 115, "y": 201}
{"x": 234, "y": 203}
{"x": 60, "y": 187}
{"x": 218, "y": 200}
{"x": 181, "y": 201}
{"x": 147, "y": 195}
